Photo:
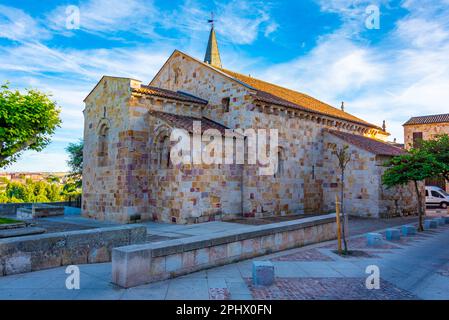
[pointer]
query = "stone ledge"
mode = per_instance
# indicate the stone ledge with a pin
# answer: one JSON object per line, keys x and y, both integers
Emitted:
{"x": 37, "y": 252}
{"x": 144, "y": 263}
{"x": 204, "y": 241}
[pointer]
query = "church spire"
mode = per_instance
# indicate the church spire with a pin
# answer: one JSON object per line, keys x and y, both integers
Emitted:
{"x": 212, "y": 53}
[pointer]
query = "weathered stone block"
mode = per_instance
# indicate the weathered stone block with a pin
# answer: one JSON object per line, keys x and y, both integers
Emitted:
{"x": 234, "y": 249}
{"x": 99, "y": 255}
{"x": 267, "y": 243}
{"x": 374, "y": 239}
{"x": 18, "y": 263}
{"x": 251, "y": 247}
{"x": 188, "y": 259}
{"x": 157, "y": 266}
{"x": 263, "y": 273}
{"x": 202, "y": 256}
{"x": 393, "y": 234}
{"x": 173, "y": 262}
{"x": 217, "y": 253}
{"x": 408, "y": 230}
{"x": 430, "y": 224}
{"x": 131, "y": 267}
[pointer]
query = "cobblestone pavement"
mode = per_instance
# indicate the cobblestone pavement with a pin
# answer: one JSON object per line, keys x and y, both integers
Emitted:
{"x": 327, "y": 289}
{"x": 413, "y": 268}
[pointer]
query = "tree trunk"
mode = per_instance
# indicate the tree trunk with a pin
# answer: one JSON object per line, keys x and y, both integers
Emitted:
{"x": 343, "y": 228}
{"x": 420, "y": 209}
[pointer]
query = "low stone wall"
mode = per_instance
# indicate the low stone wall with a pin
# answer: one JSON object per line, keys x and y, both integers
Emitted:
{"x": 39, "y": 210}
{"x": 139, "y": 264}
{"x": 32, "y": 253}
{"x": 11, "y": 208}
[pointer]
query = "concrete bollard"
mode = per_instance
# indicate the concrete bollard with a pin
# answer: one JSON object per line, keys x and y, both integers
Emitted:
{"x": 374, "y": 239}
{"x": 441, "y": 221}
{"x": 430, "y": 224}
{"x": 408, "y": 230}
{"x": 446, "y": 220}
{"x": 263, "y": 273}
{"x": 393, "y": 234}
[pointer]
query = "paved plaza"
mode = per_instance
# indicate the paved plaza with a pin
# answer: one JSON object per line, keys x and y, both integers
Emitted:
{"x": 416, "y": 267}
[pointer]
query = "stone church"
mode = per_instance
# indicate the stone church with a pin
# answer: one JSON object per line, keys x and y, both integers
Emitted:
{"x": 128, "y": 175}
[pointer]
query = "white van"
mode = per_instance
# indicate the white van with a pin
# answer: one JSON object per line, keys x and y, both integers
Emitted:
{"x": 436, "y": 196}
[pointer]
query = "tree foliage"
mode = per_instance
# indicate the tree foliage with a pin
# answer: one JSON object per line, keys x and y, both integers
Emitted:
{"x": 27, "y": 121}
{"x": 75, "y": 161}
{"x": 38, "y": 191}
{"x": 439, "y": 148}
{"x": 415, "y": 166}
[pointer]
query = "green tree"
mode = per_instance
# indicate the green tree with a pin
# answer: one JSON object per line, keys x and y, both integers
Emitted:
{"x": 439, "y": 148}
{"x": 71, "y": 190}
{"x": 415, "y": 166}
{"x": 27, "y": 121}
{"x": 20, "y": 191}
{"x": 75, "y": 161}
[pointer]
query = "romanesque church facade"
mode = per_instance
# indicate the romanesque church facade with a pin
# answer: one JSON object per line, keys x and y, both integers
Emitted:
{"x": 128, "y": 175}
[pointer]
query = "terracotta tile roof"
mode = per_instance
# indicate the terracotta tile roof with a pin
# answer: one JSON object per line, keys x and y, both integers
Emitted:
{"x": 186, "y": 122}
{"x": 437, "y": 118}
{"x": 275, "y": 94}
{"x": 159, "y": 92}
{"x": 374, "y": 146}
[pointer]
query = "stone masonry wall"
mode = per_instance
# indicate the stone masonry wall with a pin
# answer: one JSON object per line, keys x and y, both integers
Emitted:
{"x": 365, "y": 195}
{"x": 299, "y": 189}
{"x": 106, "y": 185}
{"x": 429, "y": 131}
{"x": 131, "y": 186}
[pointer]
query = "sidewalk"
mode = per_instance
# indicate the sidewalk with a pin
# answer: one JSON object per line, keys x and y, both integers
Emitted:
{"x": 413, "y": 268}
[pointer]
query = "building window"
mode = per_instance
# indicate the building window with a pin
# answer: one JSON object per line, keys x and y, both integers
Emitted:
{"x": 164, "y": 153}
{"x": 417, "y": 139}
{"x": 225, "y": 102}
{"x": 103, "y": 146}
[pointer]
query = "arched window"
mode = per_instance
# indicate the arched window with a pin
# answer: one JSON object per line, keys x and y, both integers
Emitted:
{"x": 281, "y": 163}
{"x": 103, "y": 145}
{"x": 164, "y": 152}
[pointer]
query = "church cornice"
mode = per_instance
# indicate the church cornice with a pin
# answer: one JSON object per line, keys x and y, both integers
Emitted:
{"x": 334, "y": 122}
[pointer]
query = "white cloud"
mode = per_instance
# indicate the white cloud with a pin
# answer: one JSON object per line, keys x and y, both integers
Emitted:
{"x": 105, "y": 17}
{"x": 17, "y": 25}
{"x": 238, "y": 22}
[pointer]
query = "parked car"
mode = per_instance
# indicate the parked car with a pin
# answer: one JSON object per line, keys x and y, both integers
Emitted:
{"x": 435, "y": 196}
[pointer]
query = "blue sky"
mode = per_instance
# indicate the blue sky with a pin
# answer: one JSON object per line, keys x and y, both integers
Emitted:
{"x": 319, "y": 47}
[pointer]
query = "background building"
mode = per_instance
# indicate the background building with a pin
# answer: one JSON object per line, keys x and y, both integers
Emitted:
{"x": 425, "y": 128}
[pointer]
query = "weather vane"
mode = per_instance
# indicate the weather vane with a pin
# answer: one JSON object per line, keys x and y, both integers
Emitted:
{"x": 211, "y": 20}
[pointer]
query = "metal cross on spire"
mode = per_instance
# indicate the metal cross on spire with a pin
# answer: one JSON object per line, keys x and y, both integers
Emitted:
{"x": 212, "y": 53}
{"x": 211, "y": 20}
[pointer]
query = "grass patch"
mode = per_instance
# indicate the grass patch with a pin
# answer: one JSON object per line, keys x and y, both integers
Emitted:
{"x": 8, "y": 221}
